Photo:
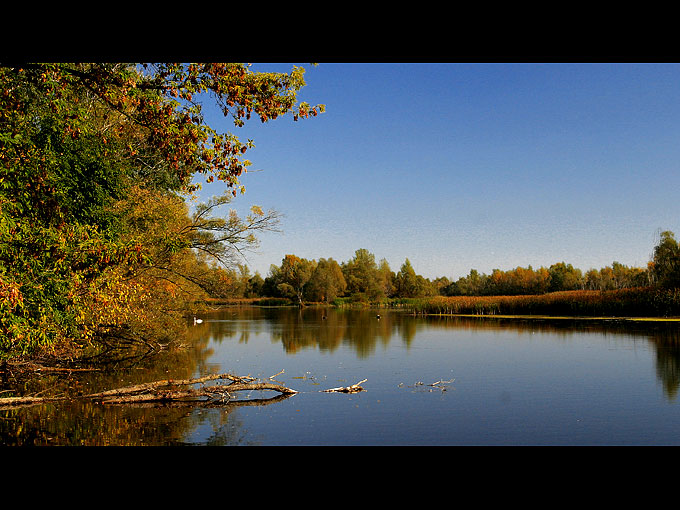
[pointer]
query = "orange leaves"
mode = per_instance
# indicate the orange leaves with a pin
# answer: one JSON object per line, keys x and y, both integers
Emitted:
{"x": 10, "y": 295}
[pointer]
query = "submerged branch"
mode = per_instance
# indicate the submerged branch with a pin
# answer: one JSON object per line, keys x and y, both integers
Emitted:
{"x": 178, "y": 391}
{"x": 164, "y": 391}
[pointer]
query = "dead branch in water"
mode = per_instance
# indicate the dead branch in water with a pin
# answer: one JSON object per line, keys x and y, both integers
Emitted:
{"x": 441, "y": 384}
{"x": 177, "y": 391}
{"x": 355, "y": 388}
{"x": 165, "y": 391}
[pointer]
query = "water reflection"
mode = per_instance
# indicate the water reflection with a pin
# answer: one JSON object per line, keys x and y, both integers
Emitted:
{"x": 328, "y": 330}
{"x": 323, "y": 329}
{"x": 297, "y": 332}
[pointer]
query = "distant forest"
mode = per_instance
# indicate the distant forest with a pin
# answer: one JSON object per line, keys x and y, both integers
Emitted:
{"x": 362, "y": 278}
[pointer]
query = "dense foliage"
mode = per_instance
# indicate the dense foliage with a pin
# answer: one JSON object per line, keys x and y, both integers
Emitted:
{"x": 97, "y": 162}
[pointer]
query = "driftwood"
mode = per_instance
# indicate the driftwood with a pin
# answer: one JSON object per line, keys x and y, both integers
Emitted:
{"x": 178, "y": 391}
{"x": 170, "y": 390}
{"x": 355, "y": 388}
{"x": 165, "y": 391}
{"x": 441, "y": 384}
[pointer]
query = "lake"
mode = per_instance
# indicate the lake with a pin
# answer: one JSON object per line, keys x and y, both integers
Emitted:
{"x": 426, "y": 381}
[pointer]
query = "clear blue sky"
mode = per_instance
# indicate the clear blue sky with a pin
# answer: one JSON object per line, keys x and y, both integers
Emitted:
{"x": 470, "y": 166}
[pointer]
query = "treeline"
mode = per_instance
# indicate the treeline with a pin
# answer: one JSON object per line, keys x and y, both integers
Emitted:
{"x": 558, "y": 277}
{"x": 98, "y": 163}
{"x": 362, "y": 279}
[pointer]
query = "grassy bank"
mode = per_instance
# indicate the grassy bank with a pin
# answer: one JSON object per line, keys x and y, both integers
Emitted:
{"x": 638, "y": 302}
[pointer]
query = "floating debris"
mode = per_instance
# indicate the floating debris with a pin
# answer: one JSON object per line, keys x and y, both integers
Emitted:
{"x": 354, "y": 388}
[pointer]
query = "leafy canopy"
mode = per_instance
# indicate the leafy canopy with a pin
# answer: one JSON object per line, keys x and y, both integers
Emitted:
{"x": 85, "y": 150}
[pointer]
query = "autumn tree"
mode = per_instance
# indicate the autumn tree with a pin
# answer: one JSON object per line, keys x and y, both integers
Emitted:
{"x": 294, "y": 275}
{"x": 79, "y": 140}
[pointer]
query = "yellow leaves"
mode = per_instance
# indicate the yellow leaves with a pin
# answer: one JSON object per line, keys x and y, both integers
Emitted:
{"x": 257, "y": 210}
{"x": 10, "y": 295}
{"x": 110, "y": 301}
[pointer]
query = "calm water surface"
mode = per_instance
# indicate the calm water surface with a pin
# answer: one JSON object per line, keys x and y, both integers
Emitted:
{"x": 500, "y": 382}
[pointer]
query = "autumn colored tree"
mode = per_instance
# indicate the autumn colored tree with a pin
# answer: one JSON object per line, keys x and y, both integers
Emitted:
{"x": 79, "y": 140}
{"x": 294, "y": 275}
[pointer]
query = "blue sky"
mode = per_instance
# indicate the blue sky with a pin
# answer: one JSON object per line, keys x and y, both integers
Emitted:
{"x": 470, "y": 166}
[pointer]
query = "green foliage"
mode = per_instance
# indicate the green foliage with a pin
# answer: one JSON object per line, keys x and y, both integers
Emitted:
{"x": 362, "y": 275}
{"x": 294, "y": 275}
{"x": 327, "y": 282}
{"x": 564, "y": 276}
{"x": 408, "y": 284}
{"x": 96, "y": 161}
{"x": 666, "y": 261}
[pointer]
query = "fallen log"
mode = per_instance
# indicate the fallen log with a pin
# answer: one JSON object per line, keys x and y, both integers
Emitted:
{"x": 164, "y": 391}
{"x": 216, "y": 392}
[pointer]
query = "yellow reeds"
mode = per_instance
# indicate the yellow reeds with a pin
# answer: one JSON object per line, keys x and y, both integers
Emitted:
{"x": 638, "y": 302}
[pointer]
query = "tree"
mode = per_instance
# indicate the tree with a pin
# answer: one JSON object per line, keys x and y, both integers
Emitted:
{"x": 471, "y": 285}
{"x": 666, "y": 261}
{"x": 79, "y": 140}
{"x": 327, "y": 281}
{"x": 255, "y": 285}
{"x": 225, "y": 240}
{"x": 293, "y": 276}
{"x": 386, "y": 278}
{"x": 564, "y": 277}
{"x": 270, "y": 286}
{"x": 405, "y": 281}
{"x": 362, "y": 276}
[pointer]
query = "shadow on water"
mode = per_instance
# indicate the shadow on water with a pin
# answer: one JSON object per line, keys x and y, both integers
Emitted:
{"x": 363, "y": 332}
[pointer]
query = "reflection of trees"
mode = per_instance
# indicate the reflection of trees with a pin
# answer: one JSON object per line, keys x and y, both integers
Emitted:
{"x": 668, "y": 360}
{"x": 329, "y": 329}
{"x": 665, "y": 337}
{"x": 85, "y": 423}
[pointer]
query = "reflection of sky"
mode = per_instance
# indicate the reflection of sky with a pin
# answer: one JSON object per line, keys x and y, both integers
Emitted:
{"x": 508, "y": 385}
{"x": 471, "y": 166}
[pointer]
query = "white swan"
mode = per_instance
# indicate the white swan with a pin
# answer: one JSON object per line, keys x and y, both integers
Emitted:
{"x": 197, "y": 321}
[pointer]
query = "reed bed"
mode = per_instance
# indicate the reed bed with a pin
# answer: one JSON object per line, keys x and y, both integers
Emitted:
{"x": 637, "y": 302}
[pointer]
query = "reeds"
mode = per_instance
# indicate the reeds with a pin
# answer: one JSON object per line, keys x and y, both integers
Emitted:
{"x": 637, "y": 302}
